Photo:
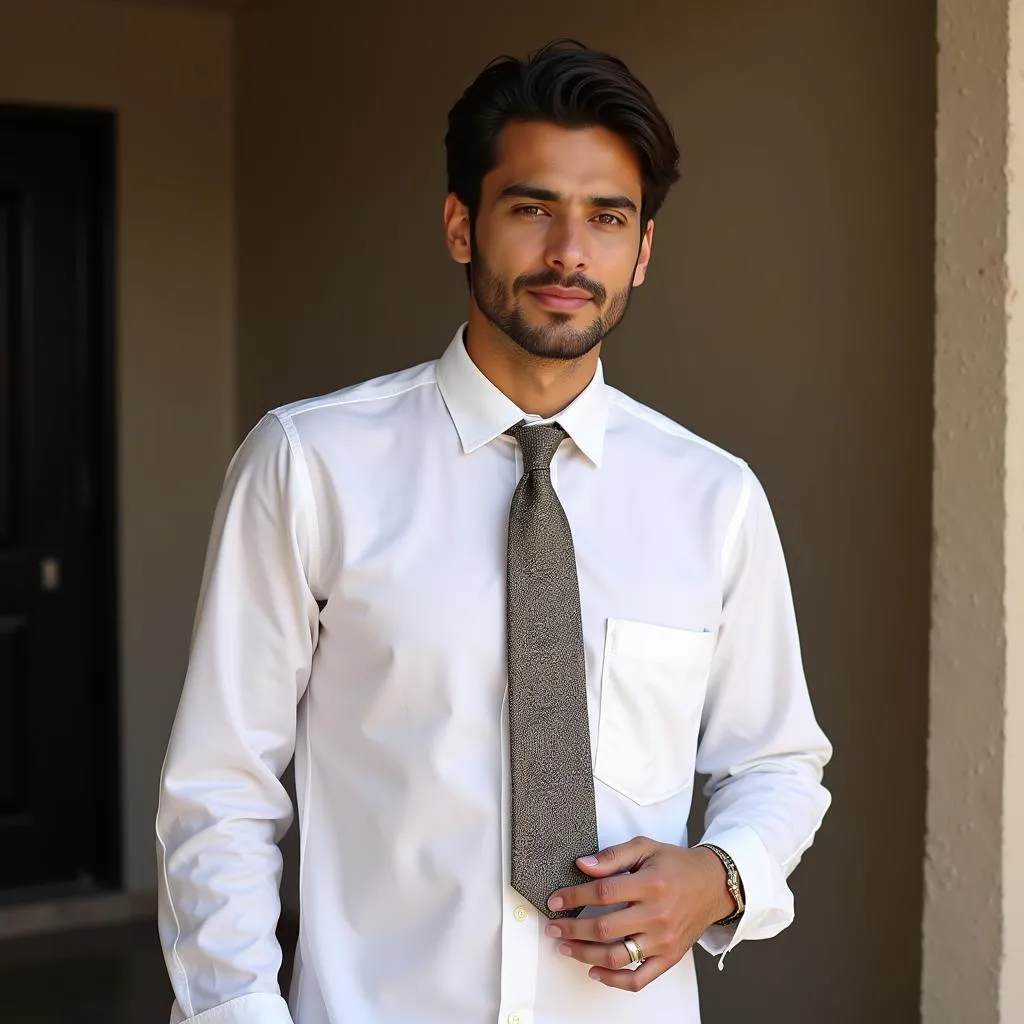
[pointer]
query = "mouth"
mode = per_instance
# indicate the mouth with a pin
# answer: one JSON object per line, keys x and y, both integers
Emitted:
{"x": 562, "y": 300}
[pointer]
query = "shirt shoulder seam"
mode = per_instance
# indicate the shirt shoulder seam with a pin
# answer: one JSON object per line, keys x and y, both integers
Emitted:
{"x": 306, "y": 482}
{"x": 736, "y": 522}
{"x": 290, "y": 412}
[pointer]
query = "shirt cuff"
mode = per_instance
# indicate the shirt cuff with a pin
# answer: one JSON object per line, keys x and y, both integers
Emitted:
{"x": 769, "y": 901}
{"x": 257, "y": 1008}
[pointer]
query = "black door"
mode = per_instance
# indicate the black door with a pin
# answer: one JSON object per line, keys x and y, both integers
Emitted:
{"x": 58, "y": 737}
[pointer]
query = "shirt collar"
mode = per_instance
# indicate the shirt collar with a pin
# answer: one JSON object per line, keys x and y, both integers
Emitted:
{"x": 481, "y": 412}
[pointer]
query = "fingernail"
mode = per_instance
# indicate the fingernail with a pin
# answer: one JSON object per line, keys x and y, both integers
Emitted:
{"x": 554, "y": 931}
{"x": 565, "y": 949}
{"x": 555, "y": 903}
{"x": 593, "y": 974}
{"x": 589, "y": 861}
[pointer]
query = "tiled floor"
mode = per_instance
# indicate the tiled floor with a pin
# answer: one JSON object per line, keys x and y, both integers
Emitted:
{"x": 112, "y": 975}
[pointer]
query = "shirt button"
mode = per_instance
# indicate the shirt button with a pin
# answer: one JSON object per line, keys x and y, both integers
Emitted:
{"x": 520, "y": 914}
{"x": 515, "y": 1018}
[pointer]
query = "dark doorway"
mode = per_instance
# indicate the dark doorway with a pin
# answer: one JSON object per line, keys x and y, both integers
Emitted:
{"x": 58, "y": 610}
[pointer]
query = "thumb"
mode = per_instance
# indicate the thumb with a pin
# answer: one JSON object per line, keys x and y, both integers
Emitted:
{"x": 613, "y": 860}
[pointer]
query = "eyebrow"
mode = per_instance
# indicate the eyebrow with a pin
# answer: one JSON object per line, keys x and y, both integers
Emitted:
{"x": 545, "y": 195}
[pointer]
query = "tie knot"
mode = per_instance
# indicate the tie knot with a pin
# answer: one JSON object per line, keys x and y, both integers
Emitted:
{"x": 538, "y": 443}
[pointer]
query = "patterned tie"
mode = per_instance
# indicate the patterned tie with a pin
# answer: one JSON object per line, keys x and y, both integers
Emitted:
{"x": 553, "y": 815}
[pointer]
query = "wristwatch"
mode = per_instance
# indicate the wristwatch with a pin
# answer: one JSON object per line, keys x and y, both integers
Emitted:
{"x": 733, "y": 882}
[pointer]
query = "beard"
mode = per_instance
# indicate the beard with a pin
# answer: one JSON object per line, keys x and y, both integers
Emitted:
{"x": 558, "y": 338}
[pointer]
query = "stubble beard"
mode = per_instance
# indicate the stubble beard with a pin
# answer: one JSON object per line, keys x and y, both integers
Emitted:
{"x": 557, "y": 339}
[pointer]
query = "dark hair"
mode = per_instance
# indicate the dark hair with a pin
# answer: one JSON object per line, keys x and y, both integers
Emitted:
{"x": 566, "y": 84}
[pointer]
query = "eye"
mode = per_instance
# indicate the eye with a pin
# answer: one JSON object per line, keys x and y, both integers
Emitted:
{"x": 609, "y": 219}
{"x": 529, "y": 212}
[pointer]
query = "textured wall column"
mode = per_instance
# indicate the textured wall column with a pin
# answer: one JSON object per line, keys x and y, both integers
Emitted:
{"x": 973, "y": 959}
{"x": 1012, "y": 975}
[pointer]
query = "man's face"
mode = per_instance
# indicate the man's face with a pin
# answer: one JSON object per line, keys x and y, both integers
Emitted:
{"x": 557, "y": 248}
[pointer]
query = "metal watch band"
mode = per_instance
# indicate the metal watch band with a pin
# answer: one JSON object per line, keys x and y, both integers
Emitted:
{"x": 733, "y": 883}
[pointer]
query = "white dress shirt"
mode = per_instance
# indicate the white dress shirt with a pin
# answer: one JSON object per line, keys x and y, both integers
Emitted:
{"x": 352, "y": 611}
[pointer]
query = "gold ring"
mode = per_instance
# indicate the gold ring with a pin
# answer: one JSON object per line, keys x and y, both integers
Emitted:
{"x": 636, "y": 954}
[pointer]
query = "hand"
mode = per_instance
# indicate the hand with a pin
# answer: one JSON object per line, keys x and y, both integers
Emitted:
{"x": 673, "y": 895}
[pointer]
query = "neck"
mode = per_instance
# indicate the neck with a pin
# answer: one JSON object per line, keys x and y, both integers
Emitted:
{"x": 537, "y": 385}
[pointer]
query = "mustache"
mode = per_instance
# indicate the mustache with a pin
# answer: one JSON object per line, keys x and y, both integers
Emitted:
{"x": 553, "y": 279}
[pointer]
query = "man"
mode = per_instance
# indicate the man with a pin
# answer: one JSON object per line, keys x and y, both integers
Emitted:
{"x": 500, "y": 613}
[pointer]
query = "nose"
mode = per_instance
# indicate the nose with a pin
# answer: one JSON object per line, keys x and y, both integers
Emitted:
{"x": 567, "y": 247}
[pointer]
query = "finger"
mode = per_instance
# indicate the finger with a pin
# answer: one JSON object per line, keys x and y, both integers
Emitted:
{"x": 633, "y": 981}
{"x": 615, "y": 859}
{"x": 602, "y": 892}
{"x": 612, "y": 956}
{"x": 602, "y": 927}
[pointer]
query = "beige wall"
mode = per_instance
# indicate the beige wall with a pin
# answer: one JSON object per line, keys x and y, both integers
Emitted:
{"x": 169, "y": 76}
{"x": 1011, "y": 989}
{"x": 973, "y": 923}
{"x": 788, "y": 317}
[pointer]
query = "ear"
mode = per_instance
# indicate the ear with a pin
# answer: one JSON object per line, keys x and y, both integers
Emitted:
{"x": 644, "y": 259}
{"x": 456, "y": 228}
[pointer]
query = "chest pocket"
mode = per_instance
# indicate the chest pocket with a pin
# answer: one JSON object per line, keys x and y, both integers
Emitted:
{"x": 652, "y": 693}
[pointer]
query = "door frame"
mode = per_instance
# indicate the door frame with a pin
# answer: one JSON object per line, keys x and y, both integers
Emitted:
{"x": 100, "y": 127}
